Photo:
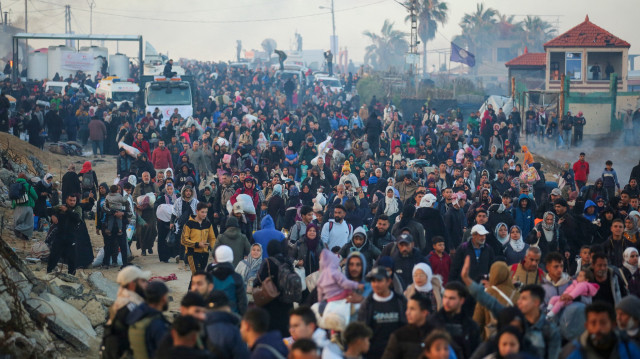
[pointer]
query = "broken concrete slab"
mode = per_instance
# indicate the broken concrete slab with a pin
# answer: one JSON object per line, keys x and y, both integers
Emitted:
{"x": 103, "y": 285}
{"x": 64, "y": 289}
{"x": 64, "y": 320}
{"x": 95, "y": 312}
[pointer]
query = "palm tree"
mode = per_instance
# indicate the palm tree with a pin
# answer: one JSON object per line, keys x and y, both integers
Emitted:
{"x": 478, "y": 30}
{"x": 536, "y": 32}
{"x": 387, "y": 49}
{"x": 430, "y": 14}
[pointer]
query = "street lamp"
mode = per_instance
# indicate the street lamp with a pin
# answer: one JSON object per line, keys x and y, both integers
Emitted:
{"x": 334, "y": 40}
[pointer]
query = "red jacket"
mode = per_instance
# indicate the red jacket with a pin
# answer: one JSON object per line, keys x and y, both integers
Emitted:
{"x": 161, "y": 158}
{"x": 143, "y": 147}
{"x": 440, "y": 265}
{"x": 581, "y": 170}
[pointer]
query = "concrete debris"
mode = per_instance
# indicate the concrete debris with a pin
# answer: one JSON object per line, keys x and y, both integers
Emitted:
{"x": 64, "y": 320}
{"x": 95, "y": 312}
{"x": 103, "y": 285}
{"x": 65, "y": 290}
{"x": 19, "y": 345}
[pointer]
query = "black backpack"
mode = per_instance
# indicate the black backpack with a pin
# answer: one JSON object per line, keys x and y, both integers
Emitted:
{"x": 18, "y": 192}
{"x": 289, "y": 283}
{"x": 87, "y": 180}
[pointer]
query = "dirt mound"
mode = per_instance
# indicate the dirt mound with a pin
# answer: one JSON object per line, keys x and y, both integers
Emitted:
{"x": 22, "y": 151}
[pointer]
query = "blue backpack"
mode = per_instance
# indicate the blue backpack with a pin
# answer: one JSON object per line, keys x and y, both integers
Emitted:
{"x": 228, "y": 286}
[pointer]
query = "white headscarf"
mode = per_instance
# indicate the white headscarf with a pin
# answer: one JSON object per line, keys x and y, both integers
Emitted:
{"x": 625, "y": 257}
{"x": 427, "y": 270}
{"x": 427, "y": 201}
{"x": 516, "y": 244}
{"x": 391, "y": 204}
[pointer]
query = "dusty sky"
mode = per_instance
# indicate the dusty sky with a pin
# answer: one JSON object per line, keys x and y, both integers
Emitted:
{"x": 208, "y": 29}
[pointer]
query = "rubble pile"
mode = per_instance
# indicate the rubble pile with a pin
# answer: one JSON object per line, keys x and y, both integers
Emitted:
{"x": 48, "y": 315}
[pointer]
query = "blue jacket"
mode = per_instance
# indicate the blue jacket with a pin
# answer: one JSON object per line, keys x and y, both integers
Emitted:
{"x": 523, "y": 218}
{"x": 156, "y": 330}
{"x": 272, "y": 339}
{"x": 266, "y": 234}
{"x": 610, "y": 178}
{"x": 223, "y": 336}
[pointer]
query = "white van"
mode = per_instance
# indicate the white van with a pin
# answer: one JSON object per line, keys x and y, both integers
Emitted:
{"x": 120, "y": 91}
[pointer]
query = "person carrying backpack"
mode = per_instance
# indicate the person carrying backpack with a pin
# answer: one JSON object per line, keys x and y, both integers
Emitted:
{"x": 147, "y": 324}
{"x": 227, "y": 280}
{"x": 276, "y": 266}
{"x": 23, "y": 198}
{"x": 88, "y": 180}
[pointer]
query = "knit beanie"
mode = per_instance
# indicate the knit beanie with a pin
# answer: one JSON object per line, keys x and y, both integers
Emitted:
{"x": 346, "y": 167}
{"x": 630, "y": 305}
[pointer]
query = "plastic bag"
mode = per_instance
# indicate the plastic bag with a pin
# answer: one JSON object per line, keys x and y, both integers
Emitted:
{"x": 301, "y": 273}
{"x": 245, "y": 201}
{"x": 131, "y": 151}
{"x": 100, "y": 257}
{"x": 130, "y": 230}
{"x": 336, "y": 315}
{"x": 164, "y": 212}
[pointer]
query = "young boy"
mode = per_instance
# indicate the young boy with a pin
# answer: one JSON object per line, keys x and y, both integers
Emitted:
{"x": 610, "y": 179}
{"x": 356, "y": 339}
{"x": 439, "y": 260}
{"x": 112, "y": 203}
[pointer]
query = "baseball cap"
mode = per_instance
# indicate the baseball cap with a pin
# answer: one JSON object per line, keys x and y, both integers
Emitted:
{"x": 377, "y": 273}
{"x": 556, "y": 192}
{"x": 405, "y": 238}
{"x": 478, "y": 228}
{"x": 237, "y": 208}
{"x": 130, "y": 273}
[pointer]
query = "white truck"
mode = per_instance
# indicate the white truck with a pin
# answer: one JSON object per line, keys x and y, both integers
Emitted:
{"x": 118, "y": 90}
{"x": 168, "y": 95}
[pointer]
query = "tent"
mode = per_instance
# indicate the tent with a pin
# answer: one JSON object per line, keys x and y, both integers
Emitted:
{"x": 506, "y": 103}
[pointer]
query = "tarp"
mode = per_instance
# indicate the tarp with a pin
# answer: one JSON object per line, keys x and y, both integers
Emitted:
{"x": 498, "y": 101}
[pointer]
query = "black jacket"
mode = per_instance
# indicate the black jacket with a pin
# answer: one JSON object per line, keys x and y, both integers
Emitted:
{"x": 479, "y": 267}
{"x": 403, "y": 266}
{"x": 406, "y": 342}
{"x": 223, "y": 336}
{"x": 463, "y": 330}
{"x": 433, "y": 224}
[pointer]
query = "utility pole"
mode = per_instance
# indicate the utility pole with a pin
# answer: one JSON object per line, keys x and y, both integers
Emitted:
{"x": 26, "y": 42}
{"x": 413, "y": 45}
{"x": 333, "y": 44}
{"x": 91, "y": 6}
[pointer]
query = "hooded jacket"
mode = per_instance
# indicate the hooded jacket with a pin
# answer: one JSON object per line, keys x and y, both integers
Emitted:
{"x": 433, "y": 224}
{"x": 221, "y": 272}
{"x": 332, "y": 282}
{"x": 524, "y": 218}
{"x": 500, "y": 287}
{"x": 267, "y": 233}
{"x": 237, "y": 241}
{"x": 370, "y": 252}
{"x": 223, "y": 336}
{"x": 272, "y": 339}
{"x": 587, "y": 205}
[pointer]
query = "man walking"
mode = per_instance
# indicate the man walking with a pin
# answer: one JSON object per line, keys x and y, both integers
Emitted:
{"x": 197, "y": 238}
{"x": 97, "y": 135}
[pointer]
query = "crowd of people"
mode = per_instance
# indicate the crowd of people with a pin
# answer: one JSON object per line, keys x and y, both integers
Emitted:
{"x": 315, "y": 225}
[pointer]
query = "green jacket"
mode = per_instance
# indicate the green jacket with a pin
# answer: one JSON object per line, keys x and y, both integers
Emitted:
{"x": 33, "y": 196}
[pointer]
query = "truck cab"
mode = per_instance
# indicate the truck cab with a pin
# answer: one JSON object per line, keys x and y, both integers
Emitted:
{"x": 168, "y": 95}
{"x": 119, "y": 91}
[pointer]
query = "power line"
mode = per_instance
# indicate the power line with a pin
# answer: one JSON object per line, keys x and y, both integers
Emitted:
{"x": 220, "y": 21}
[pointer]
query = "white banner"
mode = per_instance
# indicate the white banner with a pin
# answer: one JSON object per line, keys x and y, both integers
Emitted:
{"x": 76, "y": 61}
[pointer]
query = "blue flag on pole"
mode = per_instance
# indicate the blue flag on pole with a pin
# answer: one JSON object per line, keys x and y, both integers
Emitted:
{"x": 461, "y": 55}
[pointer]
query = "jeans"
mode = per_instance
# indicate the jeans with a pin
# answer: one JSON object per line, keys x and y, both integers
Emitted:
{"x": 97, "y": 145}
{"x": 566, "y": 137}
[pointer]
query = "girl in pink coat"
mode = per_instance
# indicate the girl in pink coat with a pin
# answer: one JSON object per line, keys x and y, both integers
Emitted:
{"x": 579, "y": 287}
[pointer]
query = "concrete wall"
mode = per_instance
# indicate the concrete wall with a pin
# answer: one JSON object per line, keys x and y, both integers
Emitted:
{"x": 598, "y": 116}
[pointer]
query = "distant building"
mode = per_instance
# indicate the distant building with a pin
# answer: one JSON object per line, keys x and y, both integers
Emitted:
{"x": 528, "y": 68}
{"x": 587, "y": 54}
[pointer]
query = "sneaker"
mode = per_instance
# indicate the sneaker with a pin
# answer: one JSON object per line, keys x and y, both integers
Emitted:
{"x": 150, "y": 251}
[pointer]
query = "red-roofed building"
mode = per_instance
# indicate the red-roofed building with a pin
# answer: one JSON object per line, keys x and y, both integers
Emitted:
{"x": 587, "y": 54}
{"x": 528, "y": 68}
